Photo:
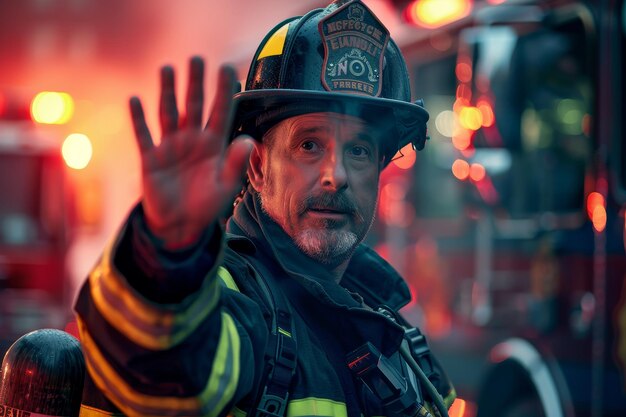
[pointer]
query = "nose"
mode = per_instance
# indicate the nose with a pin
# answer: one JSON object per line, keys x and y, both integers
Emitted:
{"x": 334, "y": 176}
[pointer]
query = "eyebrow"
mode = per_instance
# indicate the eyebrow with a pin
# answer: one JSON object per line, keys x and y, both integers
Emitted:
{"x": 316, "y": 129}
{"x": 297, "y": 129}
{"x": 367, "y": 138}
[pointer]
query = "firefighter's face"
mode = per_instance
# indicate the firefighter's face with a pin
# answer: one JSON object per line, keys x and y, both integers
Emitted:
{"x": 318, "y": 179}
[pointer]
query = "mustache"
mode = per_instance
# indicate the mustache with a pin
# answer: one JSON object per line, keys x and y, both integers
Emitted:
{"x": 332, "y": 201}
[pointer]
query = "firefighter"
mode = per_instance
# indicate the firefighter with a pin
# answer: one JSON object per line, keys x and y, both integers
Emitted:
{"x": 283, "y": 311}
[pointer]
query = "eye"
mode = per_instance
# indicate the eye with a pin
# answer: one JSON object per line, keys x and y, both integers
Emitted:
{"x": 359, "y": 151}
{"x": 309, "y": 145}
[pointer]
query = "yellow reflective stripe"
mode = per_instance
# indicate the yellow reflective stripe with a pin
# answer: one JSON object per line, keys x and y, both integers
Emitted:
{"x": 283, "y": 331}
{"x": 307, "y": 407}
{"x": 219, "y": 390}
{"x": 316, "y": 407}
{"x": 236, "y": 412}
{"x": 228, "y": 346}
{"x": 426, "y": 411}
{"x": 147, "y": 324}
{"x": 227, "y": 278}
{"x": 449, "y": 398}
{"x": 275, "y": 44}
{"x": 87, "y": 411}
{"x": 147, "y": 334}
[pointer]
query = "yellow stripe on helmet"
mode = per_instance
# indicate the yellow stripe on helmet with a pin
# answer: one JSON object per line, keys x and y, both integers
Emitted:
{"x": 274, "y": 45}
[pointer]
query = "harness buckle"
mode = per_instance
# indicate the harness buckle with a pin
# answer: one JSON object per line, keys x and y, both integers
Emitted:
{"x": 272, "y": 405}
{"x": 420, "y": 350}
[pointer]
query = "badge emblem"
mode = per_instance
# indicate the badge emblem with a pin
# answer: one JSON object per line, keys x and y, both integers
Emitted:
{"x": 354, "y": 46}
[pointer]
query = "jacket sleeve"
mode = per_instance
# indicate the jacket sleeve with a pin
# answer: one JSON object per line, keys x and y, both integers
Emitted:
{"x": 159, "y": 334}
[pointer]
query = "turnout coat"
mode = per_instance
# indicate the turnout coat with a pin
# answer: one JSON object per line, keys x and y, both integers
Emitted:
{"x": 185, "y": 332}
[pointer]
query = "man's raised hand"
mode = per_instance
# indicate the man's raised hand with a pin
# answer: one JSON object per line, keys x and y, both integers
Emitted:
{"x": 193, "y": 173}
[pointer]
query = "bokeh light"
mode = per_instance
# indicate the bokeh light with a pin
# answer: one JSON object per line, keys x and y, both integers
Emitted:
{"x": 405, "y": 157}
{"x": 470, "y": 118}
{"x": 477, "y": 172}
{"x": 435, "y": 13}
{"x": 77, "y": 151}
{"x": 461, "y": 169}
{"x": 596, "y": 210}
{"x": 49, "y": 107}
{"x": 445, "y": 123}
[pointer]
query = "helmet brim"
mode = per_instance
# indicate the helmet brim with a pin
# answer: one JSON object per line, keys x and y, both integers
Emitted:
{"x": 258, "y": 110}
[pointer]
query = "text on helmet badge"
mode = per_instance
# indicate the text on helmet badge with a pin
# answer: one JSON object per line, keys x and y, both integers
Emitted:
{"x": 354, "y": 46}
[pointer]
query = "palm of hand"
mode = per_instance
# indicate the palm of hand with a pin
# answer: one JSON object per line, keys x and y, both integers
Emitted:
{"x": 191, "y": 176}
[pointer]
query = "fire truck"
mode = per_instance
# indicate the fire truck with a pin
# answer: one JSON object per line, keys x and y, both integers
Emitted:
{"x": 509, "y": 225}
{"x": 35, "y": 225}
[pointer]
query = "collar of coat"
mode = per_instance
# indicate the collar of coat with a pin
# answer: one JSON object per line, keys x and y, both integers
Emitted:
{"x": 367, "y": 274}
{"x": 368, "y": 282}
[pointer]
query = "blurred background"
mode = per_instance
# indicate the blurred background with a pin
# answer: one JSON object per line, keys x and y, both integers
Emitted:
{"x": 509, "y": 226}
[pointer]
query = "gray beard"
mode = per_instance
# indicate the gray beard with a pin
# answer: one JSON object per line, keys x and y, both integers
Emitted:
{"x": 326, "y": 246}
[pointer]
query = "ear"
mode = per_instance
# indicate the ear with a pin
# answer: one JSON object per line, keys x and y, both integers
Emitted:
{"x": 255, "y": 167}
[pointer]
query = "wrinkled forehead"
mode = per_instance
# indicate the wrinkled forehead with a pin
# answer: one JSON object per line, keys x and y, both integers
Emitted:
{"x": 341, "y": 126}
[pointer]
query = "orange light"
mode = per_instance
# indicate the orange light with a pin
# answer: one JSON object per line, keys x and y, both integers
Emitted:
{"x": 594, "y": 199}
{"x": 486, "y": 112}
{"x": 458, "y": 408}
{"x": 599, "y": 218}
{"x": 49, "y": 107}
{"x": 459, "y": 104}
{"x": 462, "y": 139}
{"x": 405, "y": 158}
{"x": 435, "y": 13}
{"x": 462, "y": 408}
{"x": 461, "y": 169}
{"x": 463, "y": 92}
{"x": 596, "y": 210}
{"x": 463, "y": 71}
{"x": 477, "y": 172}
{"x": 77, "y": 151}
{"x": 471, "y": 118}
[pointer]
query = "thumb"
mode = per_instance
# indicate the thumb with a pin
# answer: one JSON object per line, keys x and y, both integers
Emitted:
{"x": 236, "y": 163}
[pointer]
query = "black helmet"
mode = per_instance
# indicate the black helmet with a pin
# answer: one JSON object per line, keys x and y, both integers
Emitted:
{"x": 338, "y": 59}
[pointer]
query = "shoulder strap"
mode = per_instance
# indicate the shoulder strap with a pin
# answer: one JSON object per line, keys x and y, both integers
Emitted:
{"x": 281, "y": 351}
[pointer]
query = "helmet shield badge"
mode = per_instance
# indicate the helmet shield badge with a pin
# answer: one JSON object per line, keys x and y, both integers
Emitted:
{"x": 354, "y": 44}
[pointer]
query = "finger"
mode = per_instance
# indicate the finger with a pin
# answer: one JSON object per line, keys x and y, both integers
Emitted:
{"x": 195, "y": 92}
{"x": 142, "y": 133}
{"x": 167, "y": 109}
{"x": 220, "y": 120}
{"x": 236, "y": 89}
{"x": 235, "y": 163}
